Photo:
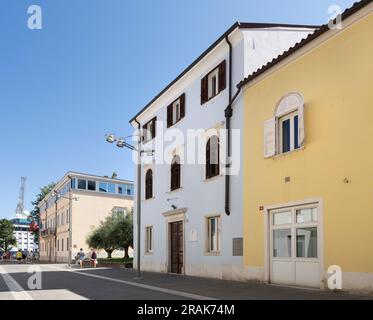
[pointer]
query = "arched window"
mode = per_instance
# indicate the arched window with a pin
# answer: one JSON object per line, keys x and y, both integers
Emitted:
{"x": 149, "y": 184}
{"x": 175, "y": 173}
{"x": 212, "y": 157}
{"x": 285, "y": 131}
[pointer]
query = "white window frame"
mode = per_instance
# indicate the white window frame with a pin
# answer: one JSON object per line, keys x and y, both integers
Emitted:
{"x": 176, "y": 111}
{"x": 215, "y": 249}
{"x": 291, "y": 116}
{"x": 213, "y": 74}
{"x": 149, "y": 240}
{"x": 289, "y": 106}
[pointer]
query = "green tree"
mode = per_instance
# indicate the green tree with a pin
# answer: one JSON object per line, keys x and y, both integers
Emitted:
{"x": 7, "y": 239}
{"x": 102, "y": 238}
{"x": 124, "y": 231}
{"x": 116, "y": 232}
{"x": 35, "y": 213}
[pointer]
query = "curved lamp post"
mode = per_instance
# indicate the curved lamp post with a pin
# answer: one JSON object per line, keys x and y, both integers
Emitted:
{"x": 121, "y": 143}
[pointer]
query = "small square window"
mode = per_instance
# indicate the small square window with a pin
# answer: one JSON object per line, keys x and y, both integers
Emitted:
{"x": 91, "y": 185}
{"x": 82, "y": 184}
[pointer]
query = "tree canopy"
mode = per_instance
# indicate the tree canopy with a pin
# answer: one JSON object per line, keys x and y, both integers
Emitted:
{"x": 115, "y": 232}
{"x": 7, "y": 239}
{"x": 35, "y": 213}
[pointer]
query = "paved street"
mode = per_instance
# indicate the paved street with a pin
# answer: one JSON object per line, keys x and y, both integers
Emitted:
{"x": 58, "y": 282}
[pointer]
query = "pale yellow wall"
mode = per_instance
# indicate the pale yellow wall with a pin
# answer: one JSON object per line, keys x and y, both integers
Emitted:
{"x": 87, "y": 213}
{"x": 336, "y": 80}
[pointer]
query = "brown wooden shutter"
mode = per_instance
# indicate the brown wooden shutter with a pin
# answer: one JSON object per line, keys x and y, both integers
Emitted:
{"x": 149, "y": 184}
{"x": 169, "y": 116}
{"x": 153, "y": 127}
{"x": 222, "y": 76}
{"x": 204, "y": 90}
{"x": 143, "y": 133}
{"x": 182, "y": 106}
{"x": 208, "y": 165}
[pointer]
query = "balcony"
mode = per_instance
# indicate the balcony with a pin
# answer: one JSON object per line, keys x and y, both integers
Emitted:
{"x": 50, "y": 232}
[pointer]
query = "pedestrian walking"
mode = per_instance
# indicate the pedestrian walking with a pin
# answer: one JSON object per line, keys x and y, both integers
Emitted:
{"x": 80, "y": 257}
{"x": 93, "y": 258}
{"x": 19, "y": 256}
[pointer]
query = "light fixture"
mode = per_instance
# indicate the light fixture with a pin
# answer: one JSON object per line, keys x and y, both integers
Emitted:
{"x": 121, "y": 143}
{"x": 110, "y": 138}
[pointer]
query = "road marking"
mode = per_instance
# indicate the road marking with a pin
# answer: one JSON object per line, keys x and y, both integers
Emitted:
{"x": 140, "y": 285}
{"x": 14, "y": 287}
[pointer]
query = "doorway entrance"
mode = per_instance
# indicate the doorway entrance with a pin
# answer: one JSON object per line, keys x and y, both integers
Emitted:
{"x": 295, "y": 246}
{"x": 176, "y": 247}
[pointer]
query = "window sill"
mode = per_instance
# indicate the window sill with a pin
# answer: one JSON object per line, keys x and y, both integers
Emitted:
{"x": 213, "y": 254}
{"x": 212, "y": 98}
{"x": 174, "y": 124}
{"x": 148, "y": 253}
{"x": 288, "y": 153}
{"x": 174, "y": 191}
{"x": 152, "y": 198}
{"x": 212, "y": 178}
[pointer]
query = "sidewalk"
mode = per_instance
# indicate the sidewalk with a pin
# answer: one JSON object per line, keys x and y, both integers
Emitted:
{"x": 220, "y": 289}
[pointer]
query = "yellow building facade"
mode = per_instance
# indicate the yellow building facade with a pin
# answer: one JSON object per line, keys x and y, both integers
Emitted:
{"x": 308, "y": 161}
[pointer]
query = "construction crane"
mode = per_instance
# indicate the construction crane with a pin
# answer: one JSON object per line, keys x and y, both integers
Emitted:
{"x": 21, "y": 198}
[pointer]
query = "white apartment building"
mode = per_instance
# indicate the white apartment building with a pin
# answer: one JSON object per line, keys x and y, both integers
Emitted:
{"x": 191, "y": 214}
{"x": 25, "y": 239}
{"x": 78, "y": 203}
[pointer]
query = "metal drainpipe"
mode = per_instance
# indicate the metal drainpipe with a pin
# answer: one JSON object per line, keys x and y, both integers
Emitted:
{"x": 138, "y": 205}
{"x": 228, "y": 112}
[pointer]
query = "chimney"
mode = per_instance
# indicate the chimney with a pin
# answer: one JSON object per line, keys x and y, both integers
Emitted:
{"x": 114, "y": 175}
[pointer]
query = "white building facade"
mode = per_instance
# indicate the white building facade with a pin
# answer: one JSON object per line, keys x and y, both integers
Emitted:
{"x": 22, "y": 233}
{"x": 191, "y": 214}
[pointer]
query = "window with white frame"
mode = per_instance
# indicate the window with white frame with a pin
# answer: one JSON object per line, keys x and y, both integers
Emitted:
{"x": 285, "y": 131}
{"x": 213, "y": 234}
{"x": 149, "y": 239}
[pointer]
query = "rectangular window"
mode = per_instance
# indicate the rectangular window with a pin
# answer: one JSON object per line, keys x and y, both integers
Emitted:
{"x": 282, "y": 243}
{"x": 58, "y": 245}
{"x": 103, "y": 187}
{"x": 91, "y": 185}
{"x": 280, "y": 218}
{"x": 62, "y": 218}
{"x": 111, "y": 188}
{"x": 62, "y": 245}
{"x": 213, "y": 83}
{"x": 289, "y": 127}
{"x": 213, "y": 236}
{"x": 149, "y": 130}
{"x": 176, "y": 111}
{"x": 121, "y": 189}
{"x": 149, "y": 239}
{"x": 82, "y": 184}
{"x": 307, "y": 242}
{"x": 73, "y": 183}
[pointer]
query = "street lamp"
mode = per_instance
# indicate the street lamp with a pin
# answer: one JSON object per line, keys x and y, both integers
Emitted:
{"x": 70, "y": 198}
{"x": 121, "y": 143}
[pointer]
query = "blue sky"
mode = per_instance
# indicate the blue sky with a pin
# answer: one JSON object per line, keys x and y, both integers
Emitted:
{"x": 94, "y": 64}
